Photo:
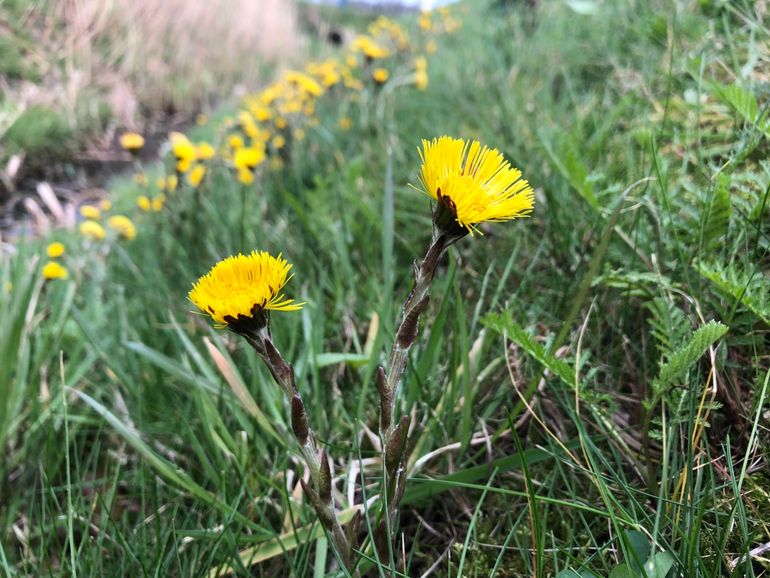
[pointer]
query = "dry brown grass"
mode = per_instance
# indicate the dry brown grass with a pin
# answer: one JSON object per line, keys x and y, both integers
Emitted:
{"x": 150, "y": 54}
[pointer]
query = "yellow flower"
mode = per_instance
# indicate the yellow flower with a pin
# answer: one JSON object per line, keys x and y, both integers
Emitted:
{"x": 90, "y": 212}
{"x": 171, "y": 182}
{"x": 182, "y": 148}
{"x": 472, "y": 184}
{"x": 245, "y": 176}
{"x": 55, "y": 250}
{"x": 131, "y": 141}
{"x": 105, "y": 205}
{"x": 380, "y": 75}
{"x": 235, "y": 141}
{"x": 123, "y": 225}
{"x": 278, "y": 142}
{"x": 280, "y": 123}
{"x": 421, "y": 80}
{"x": 239, "y": 291}
{"x": 196, "y": 176}
{"x": 425, "y": 23}
{"x": 144, "y": 203}
{"x": 431, "y": 47}
{"x": 345, "y": 123}
{"x": 53, "y": 270}
{"x": 248, "y": 158}
{"x": 205, "y": 151}
{"x": 92, "y": 230}
{"x": 369, "y": 48}
{"x": 158, "y": 202}
{"x": 184, "y": 165}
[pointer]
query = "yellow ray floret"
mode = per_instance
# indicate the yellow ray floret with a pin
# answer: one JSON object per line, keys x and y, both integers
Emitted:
{"x": 241, "y": 286}
{"x": 479, "y": 182}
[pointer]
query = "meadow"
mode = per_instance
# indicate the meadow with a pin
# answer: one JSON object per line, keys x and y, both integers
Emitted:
{"x": 587, "y": 391}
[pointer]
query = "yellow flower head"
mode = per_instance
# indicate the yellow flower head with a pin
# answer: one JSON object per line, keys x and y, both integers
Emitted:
{"x": 182, "y": 148}
{"x": 239, "y": 291}
{"x": 278, "y": 142}
{"x": 90, "y": 212}
{"x": 144, "y": 203}
{"x": 131, "y": 141}
{"x": 345, "y": 123}
{"x": 158, "y": 203}
{"x": 55, "y": 250}
{"x": 235, "y": 141}
{"x": 421, "y": 80}
{"x": 472, "y": 184}
{"x": 205, "y": 151}
{"x": 171, "y": 182}
{"x": 248, "y": 158}
{"x": 123, "y": 226}
{"x": 380, "y": 75}
{"x": 92, "y": 230}
{"x": 245, "y": 176}
{"x": 105, "y": 205}
{"x": 53, "y": 270}
{"x": 196, "y": 175}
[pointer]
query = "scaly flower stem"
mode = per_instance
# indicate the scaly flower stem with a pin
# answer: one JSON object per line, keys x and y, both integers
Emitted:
{"x": 320, "y": 494}
{"x": 393, "y": 431}
{"x": 406, "y": 334}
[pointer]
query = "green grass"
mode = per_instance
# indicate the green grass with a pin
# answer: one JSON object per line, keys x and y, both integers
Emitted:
{"x": 621, "y": 333}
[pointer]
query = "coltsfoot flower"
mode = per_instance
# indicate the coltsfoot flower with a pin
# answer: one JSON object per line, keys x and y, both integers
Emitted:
{"x": 123, "y": 226}
{"x": 132, "y": 141}
{"x": 92, "y": 230}
{"x": 53, "y": 270}
{"x": 472, "y": 183}
{"x": 239, "y": 291}
{"x": 55, "y": 250}
{"x": 90, "y": 212}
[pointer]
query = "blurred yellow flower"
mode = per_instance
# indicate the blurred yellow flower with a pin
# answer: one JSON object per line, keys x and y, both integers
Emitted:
{"x": 239, "y": 291}
{"x": 158, "y": 203}
{"x": 92, "y": 230}
{"x": 131, "y": 141}
{"x": 171, "y": 182}
{"x": 90, "y": 212}
{"x": 245, "y": 176}
{"x": 201, "y": 120}
{"x": 55, "y": 250}
{"x": 144, "y": 203}
{"x": 123, "y": 226}
{"x": 196, "y": 176}
{"x": 205, "y": 151}
{"x": 299, "y": 135}
{"x": 182, "y": 148}
{"x": 248, "y": 158}
{"x": 235, "y": 141}
{"x": 140, "y": 179}
{"x": 370, "y": 48}
{"x": 345, "y": 123}
{"x": 53, "y": 270}
{"x": 472, "y": 184}
{"x": 280, "y": 123}
{"x": 278, "y": 142}
{"x": 421, "y": 80}
{"x": 380, "y": 75}
{"x": 431, "y": 47}
{"x": 105, "y": 205}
